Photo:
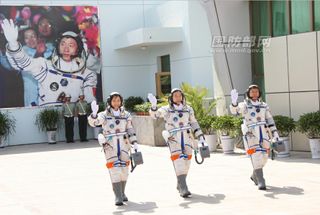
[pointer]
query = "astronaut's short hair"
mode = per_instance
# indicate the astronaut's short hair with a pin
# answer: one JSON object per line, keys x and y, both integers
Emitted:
{"x": 76, "y": 37}
{"x": 112, "y": 95}
{"x": 253, "y": 86}
{"x": 170, "y": 98}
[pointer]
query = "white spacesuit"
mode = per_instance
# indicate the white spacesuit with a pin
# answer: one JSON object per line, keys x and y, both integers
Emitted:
{"x": 118, "y": 134}
{"x": 65, "y": 74}
{"x": 258, "y": 128}
{"x": 179, "y": 122}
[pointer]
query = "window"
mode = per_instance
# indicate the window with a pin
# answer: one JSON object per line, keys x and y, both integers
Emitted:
{"x": 163, "y": 77}
{"x": 260, "y": 18}
{"x": 261, "y": 26}
{"x": 317, "y": 15}
{"x": 301, "y": 16}
{"x": 280, "y": 18}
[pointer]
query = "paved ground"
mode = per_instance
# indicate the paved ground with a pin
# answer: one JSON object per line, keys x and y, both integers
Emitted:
{"x": 72, "y": 179}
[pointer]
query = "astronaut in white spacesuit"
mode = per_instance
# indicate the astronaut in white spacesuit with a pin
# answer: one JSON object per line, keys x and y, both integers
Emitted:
{"x": 258, "y": 129}
{"x": 117, "y": 137}
{"x": 66, "y": 73}
{"x": 179, "y": 122}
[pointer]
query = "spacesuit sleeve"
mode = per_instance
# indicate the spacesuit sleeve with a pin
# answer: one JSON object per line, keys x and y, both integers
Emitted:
{"x": 269, "y": 120}
{"x": 159, "y": 112}
{"x": 194, "y": 124}
{"x": 96, "y": 121}
{"x": 19, "y": 60}
{"x": 130, "y": 129}
{"x": 238, "y": 109}
{"x": 94, "y": 63}
{"x": 90, "y": 85}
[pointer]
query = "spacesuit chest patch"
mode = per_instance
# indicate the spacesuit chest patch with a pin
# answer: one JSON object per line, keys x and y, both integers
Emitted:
{"x": 54, "y": 86}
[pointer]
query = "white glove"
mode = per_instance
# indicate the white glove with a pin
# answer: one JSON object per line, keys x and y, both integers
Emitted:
{"x": 202, "y": 142}
{"x": 10, "y": 31}
{"x": 135, "y": 146}
{"x": 275, "y": 137}
{"x": 94, "y": 108}
{"x": 166, "y": 135}
{"x": 153, "y": 100}
{"x": 101, "y": 139}
{"x": 234, "y": 96}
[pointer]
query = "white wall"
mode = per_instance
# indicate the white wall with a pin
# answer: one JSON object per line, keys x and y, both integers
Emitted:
{"x": 292, "y": 78}
{"x": 233, "y": 18}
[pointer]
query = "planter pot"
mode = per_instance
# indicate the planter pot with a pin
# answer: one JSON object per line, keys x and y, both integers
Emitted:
{"x": 315, "y": 148}
{"x": 142, "y": 113}
{"x": 227, "y": 143}
{"x": 97, "y": 131}
{"x": 2, "y": 143}
{"x": 52, "y": 136}
{"x": 212, "y": 142}
{"x": 285, "y": 153}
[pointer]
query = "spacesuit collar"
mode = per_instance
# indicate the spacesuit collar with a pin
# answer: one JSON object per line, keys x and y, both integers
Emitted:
{"x": 78, "y": 64}
{"x": 178, "y": 107}
{"x": 116, "y": 112}
{"x": 257, "y": 102}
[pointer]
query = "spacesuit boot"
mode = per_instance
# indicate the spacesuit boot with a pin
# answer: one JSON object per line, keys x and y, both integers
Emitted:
{"x": 117, "y": 189}
{"x": 254, "y": 178}
{"x": 182, "y": 186}
{"x": 260, "y": 179}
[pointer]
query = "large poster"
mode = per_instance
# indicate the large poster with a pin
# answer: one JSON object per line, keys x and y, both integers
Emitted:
{"x": 57, "y": 54}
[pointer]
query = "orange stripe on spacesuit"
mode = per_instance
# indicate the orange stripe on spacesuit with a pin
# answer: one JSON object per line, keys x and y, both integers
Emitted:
{"x": 109, "y": 165}
{"x": 175, "y": 157}
{"x": 251, "y": 151}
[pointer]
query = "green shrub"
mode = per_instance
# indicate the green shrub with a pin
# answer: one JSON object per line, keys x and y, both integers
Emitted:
{"x": 131, "y": 102}
{"x": 309, "y": 124}
{"x": 228, "y": 125}
{"x": 206, "y": 124}
{"x": 195, "y": 98}
{"x": 284, "y": 125}
{"x": 145, "y": 107}
{"x": 48, "y": 119}
{"x": 7, "y": 125}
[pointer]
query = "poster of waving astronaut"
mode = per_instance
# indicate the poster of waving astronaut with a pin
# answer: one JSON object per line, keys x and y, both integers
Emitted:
{"x": 48, "y": 52}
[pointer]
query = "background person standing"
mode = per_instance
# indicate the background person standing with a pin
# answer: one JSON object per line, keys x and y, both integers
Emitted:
{"x": 81, "y": 113}
{"x": 68, "y": 113}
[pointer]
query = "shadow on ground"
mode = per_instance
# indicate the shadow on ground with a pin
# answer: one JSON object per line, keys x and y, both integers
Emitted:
{"x": 141, "y": 207}
{"x": 209, "y": 199}
{"x": 273, "y": 192}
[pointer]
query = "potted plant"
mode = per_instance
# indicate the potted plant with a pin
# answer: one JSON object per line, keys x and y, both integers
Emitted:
{"x": 7, "y": 126}
{"x": 285, "y": 125}
{"x": 196, "y": 97}
{"x": 142, "y": 109}
{"x": 309, "y": 124}
{"x": 209, "y": 131}
{"x": 132, "y": 101}
{"x": 48, "y": 120}
{"x": 228, "y": 128}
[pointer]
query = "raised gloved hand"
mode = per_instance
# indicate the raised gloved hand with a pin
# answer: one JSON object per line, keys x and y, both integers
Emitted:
{"x": 202, "y": 142}
{"x": 234, "y": 97}
{"x": 135, "y": 146}
{"x": 153, "y": 100}
{"x": 94, "y": 108}
{"x": 275, "y": 137}
{"x": 10, "y": 31}
{"x": 101, "y": 139}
